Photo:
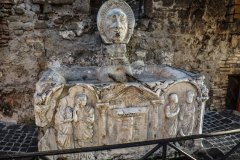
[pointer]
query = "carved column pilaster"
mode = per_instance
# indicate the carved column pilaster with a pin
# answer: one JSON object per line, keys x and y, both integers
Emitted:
{"x": 102, "y": 108}
{"x": 152, "y": 133}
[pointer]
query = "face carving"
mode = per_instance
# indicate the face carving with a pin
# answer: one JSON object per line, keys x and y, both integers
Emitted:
{"x": 174, "y": 98}
{"x": 116, "y": 25}
{"x": 81, "y": 100}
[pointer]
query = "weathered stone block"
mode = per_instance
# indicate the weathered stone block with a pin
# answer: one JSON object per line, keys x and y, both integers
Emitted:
{"x": 69, "y": 35}
{"x": 58, "y": 21}
{"x": 47, "y": 8}
{"x": 28, "y": 26}
{"x": 60, "y": 1}
{"x": 82, "y": 6}
{"x": 43, "y": 17}
{"x": 7, "y": 1}
{"x": 35, "y": 8}
{"x": 40, "y": 25}
{"x": 15, "y": 25}
{"x": 167, "y": 3}
{"x": 18, "y": 32}
{"x": 19, "y": 10}
{"x": 39, "y": 1}
{"x": 183, "y": 3}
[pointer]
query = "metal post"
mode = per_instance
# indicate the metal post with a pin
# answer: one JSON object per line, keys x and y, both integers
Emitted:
{"x": 181, "y": 151}
{"x": 151, "y": 151}
{"x": 164, "y": 154}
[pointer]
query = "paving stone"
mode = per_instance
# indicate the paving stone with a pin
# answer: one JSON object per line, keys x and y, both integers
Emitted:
{"x": 215, "y": 153}
{"x": 15, "y": 149}
{"x": 14, "y": 127}
{"x": 2, "y": 126}
{"x": 23, "y": 149}
{"x": 7, "y": 148}
{"x": 9, "y": 144}
{"x": 32, "y": 149}
{"x": 225, "y": 120}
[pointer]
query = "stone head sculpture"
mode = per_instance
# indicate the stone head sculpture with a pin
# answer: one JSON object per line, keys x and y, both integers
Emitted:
{"x": 115, "y": 22}
{"x": 173, "y": 98}
{"x": 81, "y": 100}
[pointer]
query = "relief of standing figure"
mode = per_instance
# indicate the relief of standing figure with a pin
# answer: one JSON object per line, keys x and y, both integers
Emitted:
{"x": 171, "y": 113}
{"x": 187, "y": 115}
{"x": 64, "y": 122}
{"x": 83, "y": 121}
{"x": 83, "y": 125}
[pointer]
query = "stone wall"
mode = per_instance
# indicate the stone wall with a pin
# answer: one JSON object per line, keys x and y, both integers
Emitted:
{"x": 35, "y": 34}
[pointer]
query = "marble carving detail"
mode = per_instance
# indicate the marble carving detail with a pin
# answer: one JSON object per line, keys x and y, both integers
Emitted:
{"x": 115, "y": 22}
{"x": 111, "y": 113}
{"x": 91, "y": 106}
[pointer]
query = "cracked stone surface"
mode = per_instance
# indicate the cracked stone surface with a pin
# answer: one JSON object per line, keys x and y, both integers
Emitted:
{"x": 23, "y": 138}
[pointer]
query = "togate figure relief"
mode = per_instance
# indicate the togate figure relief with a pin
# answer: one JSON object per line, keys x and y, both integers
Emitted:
{"x": 187, "y": 115}
{"x": 171, "y": 113}
{"x": 83, "y": 121}
{"x": 64, "y": 121}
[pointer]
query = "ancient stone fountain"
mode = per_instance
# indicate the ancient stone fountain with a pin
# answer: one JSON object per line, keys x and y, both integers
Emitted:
{"x": 116, "y": 102}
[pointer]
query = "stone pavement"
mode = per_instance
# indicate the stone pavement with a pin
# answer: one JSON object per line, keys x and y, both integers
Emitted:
{"x": 217, "y": 146}
{"x": 23, "y": 138}
{"x": 17, "y": 138}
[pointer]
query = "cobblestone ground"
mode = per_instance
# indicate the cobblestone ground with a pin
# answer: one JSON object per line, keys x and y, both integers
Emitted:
{"x": 23, "y": 138}
{"x": 223, "y": 121}
{"x": 17, "y": 138}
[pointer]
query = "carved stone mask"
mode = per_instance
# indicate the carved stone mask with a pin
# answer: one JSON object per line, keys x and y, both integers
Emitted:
{"x": 116, "y": 25}
{"x": 115, "y": 22}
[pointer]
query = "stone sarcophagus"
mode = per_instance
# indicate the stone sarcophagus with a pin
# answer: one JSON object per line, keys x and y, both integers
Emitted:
{"x": 164, "y": 102}
{"x": 116, "y": 102}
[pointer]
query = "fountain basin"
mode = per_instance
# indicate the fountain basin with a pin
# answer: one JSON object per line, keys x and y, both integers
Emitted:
{"x": 82, "y": 106}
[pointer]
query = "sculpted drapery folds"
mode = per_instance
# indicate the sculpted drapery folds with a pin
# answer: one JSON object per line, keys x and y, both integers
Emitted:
{"x": 83, "y": 121}
{"x": 64, "y": 121}
{"x": 187, "y": 115}
{"x": 171, "y": 113}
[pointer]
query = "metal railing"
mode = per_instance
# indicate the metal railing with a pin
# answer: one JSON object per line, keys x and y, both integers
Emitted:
{"x": 164, "y": 143}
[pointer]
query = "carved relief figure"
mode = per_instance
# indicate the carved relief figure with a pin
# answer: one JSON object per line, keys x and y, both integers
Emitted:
{"x": 45, "y": 104}
{"x": 117, "y": 25}
{"x": 115, "y": 22}
{"x": 83, "y": 121}
{"x": 64, "y": 121}
{"x": 187, "y": 115}
{"x": 171, "y": 114}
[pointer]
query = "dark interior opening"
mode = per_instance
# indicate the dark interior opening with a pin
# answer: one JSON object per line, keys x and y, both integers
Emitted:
{"x": 233, "y": 93}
